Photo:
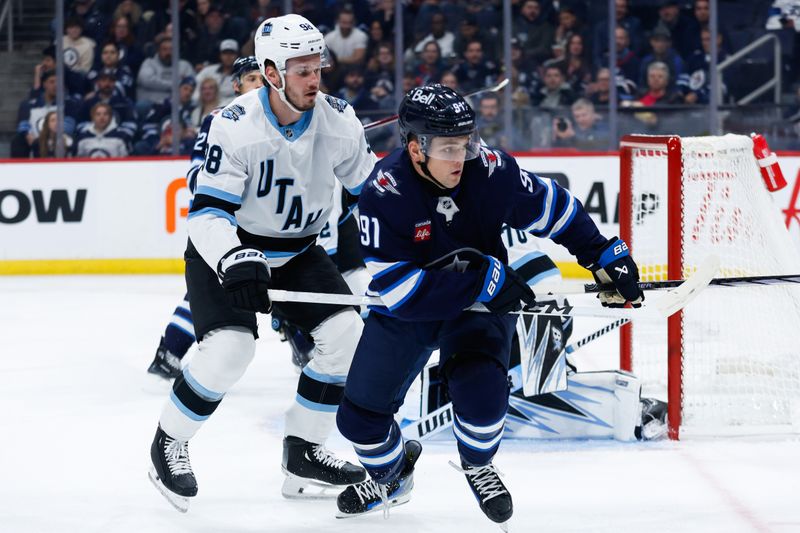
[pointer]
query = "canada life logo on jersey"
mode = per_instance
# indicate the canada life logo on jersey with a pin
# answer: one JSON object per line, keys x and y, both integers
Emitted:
{"x": 422, "y": 231}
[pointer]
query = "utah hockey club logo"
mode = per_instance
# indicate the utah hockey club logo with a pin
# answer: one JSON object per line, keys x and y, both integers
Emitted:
{"x": 422, "y": 231}
{"x": 233, "y": 112}
{"x": 447, "y": 207}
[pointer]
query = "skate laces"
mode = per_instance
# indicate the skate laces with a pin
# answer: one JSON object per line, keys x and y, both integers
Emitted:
{"x": 177, "y": 455}
{"x": 486, "y": 479}
{"x": 327, "y": 458}
{"x": 371, "y": 490}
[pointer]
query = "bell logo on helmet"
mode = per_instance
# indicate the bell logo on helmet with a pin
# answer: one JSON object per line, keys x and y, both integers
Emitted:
{"x": 420, "y": 96}
{"x": 267, "y": 29}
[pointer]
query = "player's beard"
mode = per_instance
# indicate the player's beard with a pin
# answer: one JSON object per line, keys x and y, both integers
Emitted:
{"x": 296, "y": 100}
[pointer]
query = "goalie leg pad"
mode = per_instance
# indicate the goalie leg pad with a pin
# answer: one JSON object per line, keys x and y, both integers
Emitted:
{"x": 321, "y": 384}
{"x": 222, "y": 358}
{"x": 478, "y": 386}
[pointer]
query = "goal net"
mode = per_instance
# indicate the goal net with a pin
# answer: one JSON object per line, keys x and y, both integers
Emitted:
{"x": 730, "y": 362}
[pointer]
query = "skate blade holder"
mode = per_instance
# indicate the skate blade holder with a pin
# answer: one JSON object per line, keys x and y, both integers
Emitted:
{"x": 181, "y": 503}
{"x": 301, "y": 488}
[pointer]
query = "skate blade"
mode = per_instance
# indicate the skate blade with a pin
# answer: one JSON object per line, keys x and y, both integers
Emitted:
{"x": 181, "y": 503}
{"x": 394, "y": 502}
{"x": 301, "y": 488}
{"x": 504, "y": 526}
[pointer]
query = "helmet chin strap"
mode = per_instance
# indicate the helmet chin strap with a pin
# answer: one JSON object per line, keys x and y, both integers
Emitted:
{"x": 282, "y": 93}
{"x": 423, "y": 165}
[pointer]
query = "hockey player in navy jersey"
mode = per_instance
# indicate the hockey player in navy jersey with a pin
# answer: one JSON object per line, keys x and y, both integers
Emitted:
{"x": 178, "y": 336}
{"x": 430, "y": 216}
{"x": 263, "y": 194}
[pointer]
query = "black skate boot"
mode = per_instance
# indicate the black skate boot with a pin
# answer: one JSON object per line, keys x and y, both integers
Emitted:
{"x": 368, "y": 495}
{"x": 302, "y": 344}
{"x": 654, "y": 420}
{"x": 171, "y": 471}
{"x": 492, "y": 495}
{"x": 313, "y": 472}
{"x": 166, "y": 364}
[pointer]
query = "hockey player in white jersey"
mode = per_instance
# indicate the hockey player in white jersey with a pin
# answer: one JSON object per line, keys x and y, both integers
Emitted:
{"x": 264, "y": 193}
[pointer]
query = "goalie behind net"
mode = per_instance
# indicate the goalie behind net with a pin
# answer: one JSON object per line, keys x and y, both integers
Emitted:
{"x": 736, "y": 350}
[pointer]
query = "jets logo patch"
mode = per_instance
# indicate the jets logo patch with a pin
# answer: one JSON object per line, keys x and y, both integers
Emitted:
{"x": 491, "y": 160}
{"x": 385, "y": 182}
{"x": 233, "y": 112}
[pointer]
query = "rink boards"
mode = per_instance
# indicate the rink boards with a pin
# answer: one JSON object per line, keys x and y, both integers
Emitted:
{"x": 129, "y": 216}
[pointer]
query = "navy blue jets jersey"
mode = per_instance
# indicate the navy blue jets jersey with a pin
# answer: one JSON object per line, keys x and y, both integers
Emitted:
{"x": 424, "y": 246}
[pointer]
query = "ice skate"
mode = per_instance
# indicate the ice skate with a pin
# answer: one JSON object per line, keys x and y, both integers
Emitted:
{"x": 654, "y": 420}
{"x": 367, "y": 496}
{"x": 493, "y": 497}
{"x": 165, "y": 364}
{"x": 313, "y": 472}
{"x": 302, "y": 345}
{"x": 171, "y": 471}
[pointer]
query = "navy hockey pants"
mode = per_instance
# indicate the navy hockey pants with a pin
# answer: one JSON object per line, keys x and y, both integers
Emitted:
{"x": 474, "y": 353}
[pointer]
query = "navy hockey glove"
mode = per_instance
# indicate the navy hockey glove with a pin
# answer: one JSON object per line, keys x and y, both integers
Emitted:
{"x": 245, "y": 275}
{"x": 615, "y": 266}
{"x": 501, "y": 288}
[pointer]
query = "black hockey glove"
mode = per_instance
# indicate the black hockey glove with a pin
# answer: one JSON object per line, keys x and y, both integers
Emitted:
{"x": 615, "y": 266}
{"x": 245, "y": 275}
{"x": 501, "y": 288}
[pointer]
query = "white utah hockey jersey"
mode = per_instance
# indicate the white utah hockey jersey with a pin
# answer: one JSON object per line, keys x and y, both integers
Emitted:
{"x": 270, "y": 186}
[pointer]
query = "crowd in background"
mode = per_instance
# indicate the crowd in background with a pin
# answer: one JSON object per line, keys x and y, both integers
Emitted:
{"x": 118, "y": 66}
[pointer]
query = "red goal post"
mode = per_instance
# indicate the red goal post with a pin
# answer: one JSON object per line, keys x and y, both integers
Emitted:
{"x": 681, "y": 199}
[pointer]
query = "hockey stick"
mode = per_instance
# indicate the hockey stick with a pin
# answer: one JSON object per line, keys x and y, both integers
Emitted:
{"x": 393, "y": 118}
{"x": 667, "y": 304}
{"x": 595, "y": 335}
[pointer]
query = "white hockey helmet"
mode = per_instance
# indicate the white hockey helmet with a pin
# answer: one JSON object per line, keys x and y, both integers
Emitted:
{"x": 279, "y": 39}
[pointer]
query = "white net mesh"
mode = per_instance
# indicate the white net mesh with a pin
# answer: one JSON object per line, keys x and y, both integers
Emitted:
{"x": 741, "y": 346}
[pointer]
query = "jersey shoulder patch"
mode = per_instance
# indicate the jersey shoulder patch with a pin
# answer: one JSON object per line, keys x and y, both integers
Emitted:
{"x": 336, "y": 103}
{"x": 491, "y": 159}
{"x": 233, "y": 112}
{"x": 385, "y": 183}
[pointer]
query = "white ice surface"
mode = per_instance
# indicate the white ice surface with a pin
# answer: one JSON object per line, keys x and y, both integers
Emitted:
{"x": 79, "y": 412}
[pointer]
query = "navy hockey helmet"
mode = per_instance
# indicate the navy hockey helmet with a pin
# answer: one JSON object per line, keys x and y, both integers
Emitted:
{"x": 438, "y": 111}
{"x": 243, "y": 65}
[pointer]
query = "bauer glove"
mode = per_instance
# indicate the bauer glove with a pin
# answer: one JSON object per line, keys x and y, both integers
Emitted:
{"x": 245, "y": 276}
{"x": 615, "y": 266}
{"x": 501, "y": 288}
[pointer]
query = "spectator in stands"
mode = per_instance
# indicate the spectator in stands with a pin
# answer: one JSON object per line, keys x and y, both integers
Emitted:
{"x": 520, "y": 95}
{"x": 154, "y": 83}
{"x": 632, "y": 26}
{"x": 346, "y": 41}
{"x": 130, "y": 53}
{"x": 354, "y": 92}
{"x": 78, "y": 49}
{"x": 121, "y": 107}
{"x": 32, "y": 112}
{"x": 584, "y": 131}
{"x": 222, "y": 72}
{"x": 449, "y": 80}
{"x": 661, "y": 42}
{"x": 376, "y": 36}
{"x": 381, "y": 97}
{"x": 684, "y": 29}
{"x": 469, "y": 31}
{"x": 154, "y": 123}
{"x": 599, "y": 91}
{"x": 475, "y": 72}
{"x": 45, "y": 145}
{"x": 207, "y": 102}
{"x": 129, "y": 9}
{"x": 440, "y": 35}
{"x": 164, "y": 146}
{"x": 657, "y": 91}
{"x": 215, "y": 29}
{"x": 93, "y": 21}
{"x": 568, "y": 24}
{"x": 490, "y": 123}
{"x": 408, "y": 82}
{"x": 381, "y": 65}
{"x": 628, "y": 62}
{"x": 578, "y": 67}
{"x": 109, "y": 61}
{"x": 102, "y": 139}
{"x": 527, "y": 71}
{"x": 555, "y": 91}
{"x": 695, "y": 83}
{"x": 75, "y": 81}
{"x": 534, "y": 32}
{"x": 430, "y": 66}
